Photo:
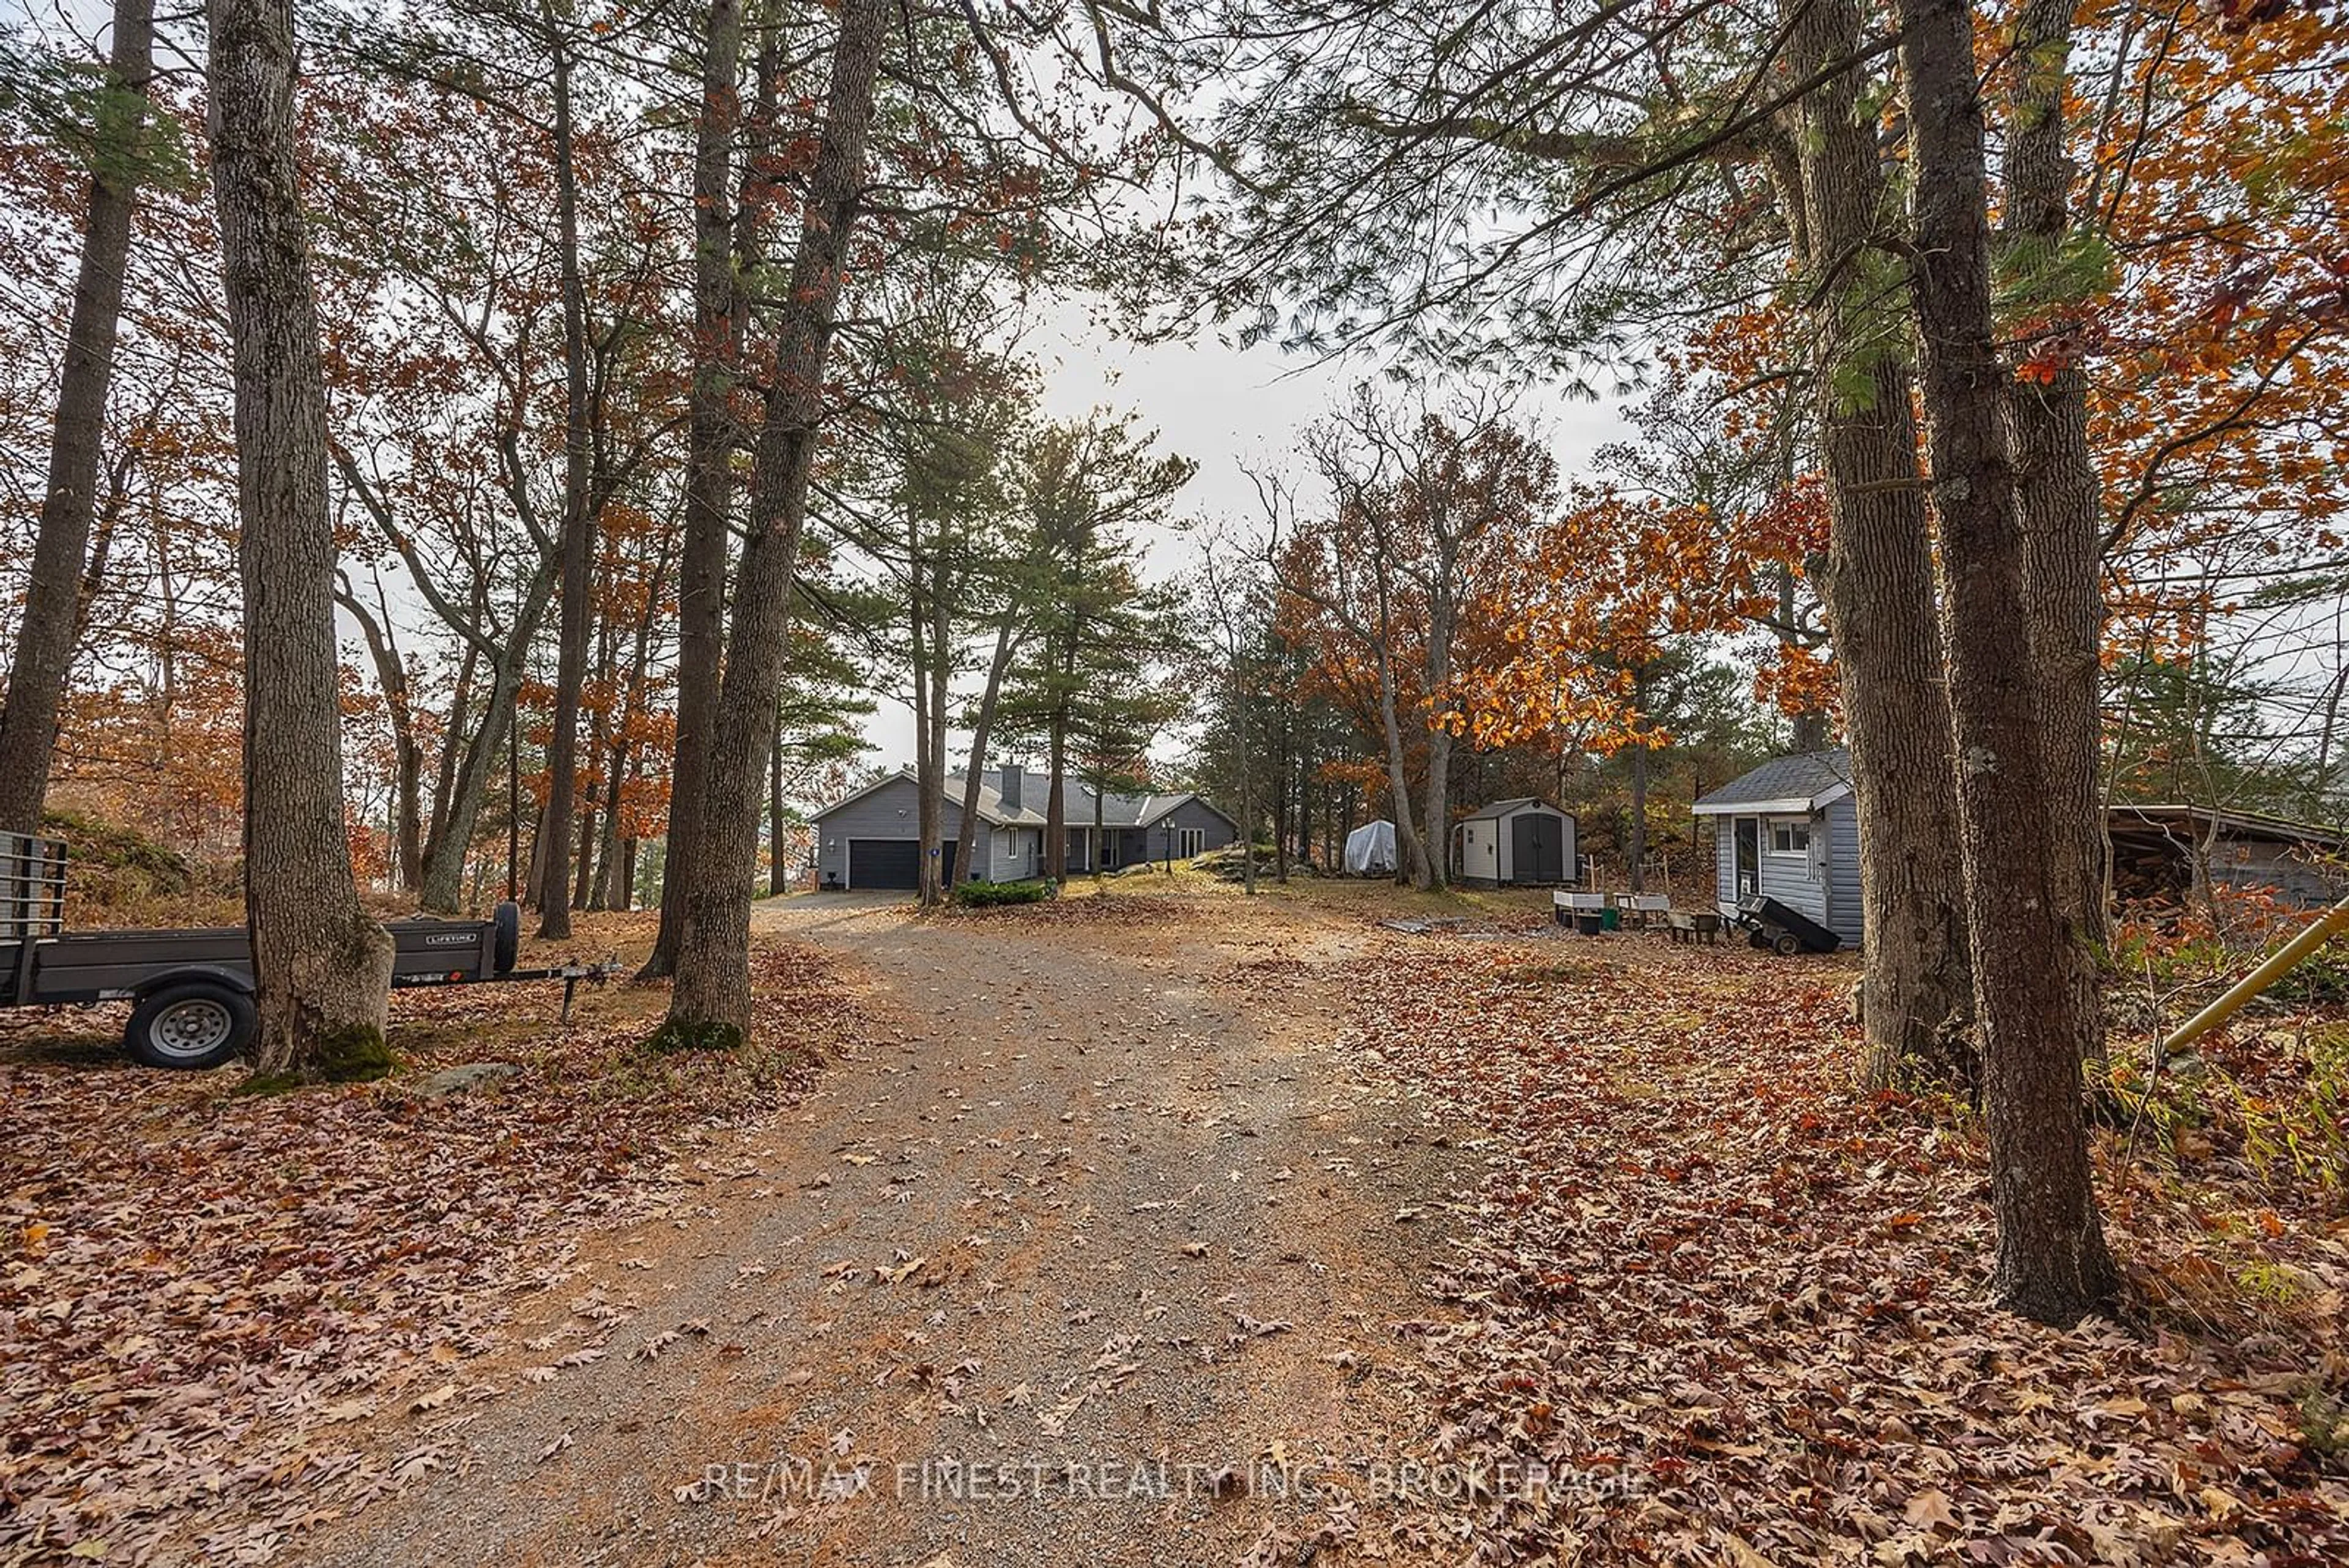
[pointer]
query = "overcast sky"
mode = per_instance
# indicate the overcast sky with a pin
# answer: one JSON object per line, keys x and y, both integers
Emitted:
{"x": 1222, "y": 407}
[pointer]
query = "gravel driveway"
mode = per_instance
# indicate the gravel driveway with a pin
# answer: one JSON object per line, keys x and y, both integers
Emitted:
{"x": 1090, "y": 1266}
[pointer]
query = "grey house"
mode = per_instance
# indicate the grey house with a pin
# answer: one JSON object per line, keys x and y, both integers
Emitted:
{"x": 871, "y": 838}
{"x": 1789, "y": 830}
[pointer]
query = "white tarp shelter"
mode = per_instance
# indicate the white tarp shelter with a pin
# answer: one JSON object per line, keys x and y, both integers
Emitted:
{"x": 1371, "y": 849}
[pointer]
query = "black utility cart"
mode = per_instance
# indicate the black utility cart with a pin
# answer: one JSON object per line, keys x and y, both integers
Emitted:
{"x": 1775, "y": 928}
{"x": 193, "y": 988}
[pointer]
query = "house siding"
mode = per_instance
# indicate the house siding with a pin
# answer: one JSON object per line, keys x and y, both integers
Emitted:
{"x": 1788, "y": 877}
{"x": 1005, "y": 854}
{"x": 1014, "y": 854}
{"x": 891, "y": 811}
{"x": 1831, "y": 896}
{"x": 1480, "y": 861}
{"x": 1216, "y": 829}
{"x": 1844, "y": 907}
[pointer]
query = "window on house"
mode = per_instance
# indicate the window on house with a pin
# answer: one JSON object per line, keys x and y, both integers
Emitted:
{"x": 1790, "y": 838}
{"x": 1193, "y": 842}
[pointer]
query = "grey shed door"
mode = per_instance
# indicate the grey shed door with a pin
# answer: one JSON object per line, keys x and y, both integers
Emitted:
{"x": 890, "y": 863}
{"x": 1537, "y": 848}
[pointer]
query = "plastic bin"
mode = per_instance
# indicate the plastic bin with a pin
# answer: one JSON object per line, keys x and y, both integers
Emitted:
{"x": 1610, "y": 919}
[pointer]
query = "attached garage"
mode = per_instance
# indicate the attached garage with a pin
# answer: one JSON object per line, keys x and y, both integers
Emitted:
{"x": 890, "y": 863}
{"x": 870, "y": 838}
{"x": 1522, "y": 843}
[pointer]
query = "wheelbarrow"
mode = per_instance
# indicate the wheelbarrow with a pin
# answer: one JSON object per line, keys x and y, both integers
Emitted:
{"x": 1775, "y": 928}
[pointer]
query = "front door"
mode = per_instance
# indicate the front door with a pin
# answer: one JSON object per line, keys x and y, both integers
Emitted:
{"x": 1747, "y": 832}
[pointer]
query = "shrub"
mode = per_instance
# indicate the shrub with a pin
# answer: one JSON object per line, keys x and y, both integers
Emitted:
{"x": 989, "y": 895}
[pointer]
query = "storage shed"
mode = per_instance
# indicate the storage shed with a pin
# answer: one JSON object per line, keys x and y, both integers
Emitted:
{"x": 2174, "y": 851}
{"x": 1523, "y": 842}
{"x": 1789, "y": 830}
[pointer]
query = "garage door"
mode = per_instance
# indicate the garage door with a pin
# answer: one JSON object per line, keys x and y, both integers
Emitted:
{"x": 875, "y": 863}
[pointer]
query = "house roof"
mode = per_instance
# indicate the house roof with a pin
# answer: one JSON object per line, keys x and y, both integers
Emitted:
{"x": 1500, "y": 808}
{"x": 1804, "y": 781}
{"x": 2168, "y": 817}
{"x": 1116, "y": 810}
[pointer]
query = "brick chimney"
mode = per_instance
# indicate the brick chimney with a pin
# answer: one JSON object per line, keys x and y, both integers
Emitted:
{"x": 1014, "y": 775}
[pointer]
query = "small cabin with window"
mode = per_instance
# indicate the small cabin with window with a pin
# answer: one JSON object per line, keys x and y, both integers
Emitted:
{"x": 1789, "y": 830}
{"x": 1516, "y": 843}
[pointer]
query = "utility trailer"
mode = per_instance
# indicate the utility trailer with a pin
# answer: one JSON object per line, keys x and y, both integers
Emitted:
{"x": 1775, "y": 928}
{"x": 193, "y": 987}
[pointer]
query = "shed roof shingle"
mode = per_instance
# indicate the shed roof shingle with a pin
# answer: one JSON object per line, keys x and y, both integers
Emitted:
{"x": 1804, "y": 776}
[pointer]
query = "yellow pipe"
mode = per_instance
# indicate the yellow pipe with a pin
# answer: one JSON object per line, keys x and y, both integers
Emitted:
{"x": 2272, "y": 969}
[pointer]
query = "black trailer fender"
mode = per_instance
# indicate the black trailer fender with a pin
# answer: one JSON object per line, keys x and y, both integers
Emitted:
{"x": 235, "y": 980}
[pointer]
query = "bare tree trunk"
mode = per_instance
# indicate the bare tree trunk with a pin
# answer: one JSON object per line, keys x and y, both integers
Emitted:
{"x": 408, "y": 751}
{"x": 1006, "y": 645}
{"x": 444, "y": 859}
{"x": 1635, "y": 842}
{"x": 321, "y": 967}
{"x": 938, "y": 878}
{"x": 2060, "y": 500}
{"x": 45, "y": 638}
{"x": 711, "y": 1003}
{"x": 457, "y": 723}
{"x": 1101, "y": 830}
{"x": 609, "y": 892}
{"x": 778, "y": 880}
{"x": 925, "y": 812}
{"x": 535, "y": 882}
{"x": 1441, "y": 618}
{"x": 1280, "y": 802}
{"x": 612, "y": 887}
{"x": 578, "y": 523}
{"x": 1248, "y": 781}
{"x": 2052, "y": 1261}
{"x": 599, "y": 737}
{"x": 709, "y": 474}
{"x": 1879, "y": 583}
{"x": 1438, "y": 843}
{"x": 1411, "y": 863}
{"x": 1056, "y": 752}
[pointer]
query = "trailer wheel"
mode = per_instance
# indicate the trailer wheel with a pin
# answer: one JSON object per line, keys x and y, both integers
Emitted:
{"x": 1788, "y": 945}
{"x": 195, "y": 1024}
{"x": 508, "y": 939}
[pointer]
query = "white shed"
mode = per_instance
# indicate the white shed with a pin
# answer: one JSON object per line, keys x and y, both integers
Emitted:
{"x": 1523, "y": 842}
{"x": 1789, "y": 830}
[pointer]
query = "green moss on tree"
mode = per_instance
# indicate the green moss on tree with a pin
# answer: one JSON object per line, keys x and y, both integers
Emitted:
{"x": 354, "y": 1056}
{"x": 674, "y": 1037}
